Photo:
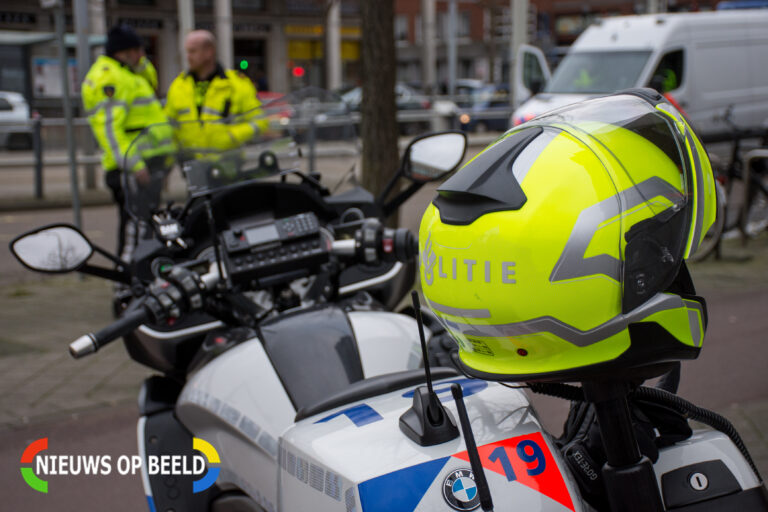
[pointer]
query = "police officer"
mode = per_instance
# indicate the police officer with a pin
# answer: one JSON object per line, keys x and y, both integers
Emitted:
{"x": 120, "y": 103}
{"x": 222, "y": 101}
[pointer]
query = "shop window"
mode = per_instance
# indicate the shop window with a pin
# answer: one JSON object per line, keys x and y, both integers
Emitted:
{"x": 401, "y": 28}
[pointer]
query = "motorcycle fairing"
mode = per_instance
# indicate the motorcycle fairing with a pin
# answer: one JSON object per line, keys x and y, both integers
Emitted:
{"x": 382, "y": 469}
{"x": 405, "y": 489}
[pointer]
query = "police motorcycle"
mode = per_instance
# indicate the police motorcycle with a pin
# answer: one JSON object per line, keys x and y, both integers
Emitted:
{"x": 466, "y": 437}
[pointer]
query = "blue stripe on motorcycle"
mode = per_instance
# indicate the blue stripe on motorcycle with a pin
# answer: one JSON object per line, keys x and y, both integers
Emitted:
{"x": 359, "y": 415}
{"x": 400, "y": 490}
{"x": 151, "y": 504}
{"x": 468, "y": 386}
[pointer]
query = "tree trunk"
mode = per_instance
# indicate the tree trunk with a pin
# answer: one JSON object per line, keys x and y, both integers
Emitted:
{"x": 378, "y": 124}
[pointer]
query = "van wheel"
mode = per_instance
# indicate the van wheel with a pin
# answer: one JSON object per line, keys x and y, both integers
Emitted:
{"x": 234, "y": 502}
{"x": 19, "y": 141}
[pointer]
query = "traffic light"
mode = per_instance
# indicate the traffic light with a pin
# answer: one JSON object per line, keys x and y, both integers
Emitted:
{"x": 243, "y": 64}
{"x": 298, "y": 71}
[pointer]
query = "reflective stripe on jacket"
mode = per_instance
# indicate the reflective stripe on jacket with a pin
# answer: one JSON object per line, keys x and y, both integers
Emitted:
{"x": 228, "y": 117}
{"x": 120, "y": 104}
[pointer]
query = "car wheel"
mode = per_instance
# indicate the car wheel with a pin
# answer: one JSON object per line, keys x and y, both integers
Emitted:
{"x": 19, "y": 141}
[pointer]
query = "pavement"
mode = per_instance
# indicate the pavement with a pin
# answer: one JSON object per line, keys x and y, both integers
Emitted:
{"x": 90, "y": 403}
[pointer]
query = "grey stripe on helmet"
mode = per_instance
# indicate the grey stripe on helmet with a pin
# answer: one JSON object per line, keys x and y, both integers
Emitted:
{"x": 699, "y": 193}
{"x": 528, "y": 156}
{"x": 572, "y": 263}
{"x": 462, "y": 312}
{"x": 695, "y": 316}
{"x": 569, "y": 333}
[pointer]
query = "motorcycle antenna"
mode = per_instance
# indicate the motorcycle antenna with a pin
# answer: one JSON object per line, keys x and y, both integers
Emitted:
{"x": 427, "y": 422}
{"x": 483, "y": 490}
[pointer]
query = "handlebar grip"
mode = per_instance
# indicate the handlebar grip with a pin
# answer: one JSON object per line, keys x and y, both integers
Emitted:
{"x": 90, "y": 343}
{"x": 406, "y": 245}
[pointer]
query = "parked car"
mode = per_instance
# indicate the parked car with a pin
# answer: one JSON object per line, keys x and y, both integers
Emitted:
{"x": 486, "y": 110}
{"x": 707, "y": 62}
{"x": 406, "y": 98}
{"x": 15, "y": 130}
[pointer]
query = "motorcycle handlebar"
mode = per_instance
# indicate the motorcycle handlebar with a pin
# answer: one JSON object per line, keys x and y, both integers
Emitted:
{"x": 92, "y": 342}
{"x": 377, "y": 244}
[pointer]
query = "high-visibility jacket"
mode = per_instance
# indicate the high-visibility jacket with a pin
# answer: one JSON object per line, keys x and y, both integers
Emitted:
{"x": 120, "y": 104}
{"x": 146, "y": 69}
{"x": 227, "y": 115}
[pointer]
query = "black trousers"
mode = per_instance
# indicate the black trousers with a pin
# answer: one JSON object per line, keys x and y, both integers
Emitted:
{"x": 115, "y": 184}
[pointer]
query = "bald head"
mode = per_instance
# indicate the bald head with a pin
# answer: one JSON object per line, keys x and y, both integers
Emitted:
{"x": 200, "y": 46}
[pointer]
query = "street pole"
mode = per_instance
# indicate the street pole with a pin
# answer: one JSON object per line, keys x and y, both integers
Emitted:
{"x": 186, "y": 25}
{"x": 333, "y": 45}
{"x": 63, "y": 66}
{"x": 82, "y": 29}
{"x": 451, "y": 36}
{"x": 428, "y": 71}
{"x": 80, "y": 8}
{"x": 519, "y": 11}
{"x": 223, "y": 15}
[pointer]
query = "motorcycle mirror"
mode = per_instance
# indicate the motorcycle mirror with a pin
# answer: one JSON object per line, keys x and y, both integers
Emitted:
{"x": 57, "y": 249}
{"x": 431, "y": 157}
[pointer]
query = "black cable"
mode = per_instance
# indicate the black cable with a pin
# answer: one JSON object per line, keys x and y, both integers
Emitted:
{"x": 697, "y": 413}
{"x": 566, "y": 391}
{"x": 662, "y": 397}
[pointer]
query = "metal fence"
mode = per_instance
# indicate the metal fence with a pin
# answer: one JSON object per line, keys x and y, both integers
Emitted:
{"x": 411, "y": 121}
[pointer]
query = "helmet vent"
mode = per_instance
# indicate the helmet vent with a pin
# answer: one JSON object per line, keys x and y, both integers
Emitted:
{"x": 486, "y": 184}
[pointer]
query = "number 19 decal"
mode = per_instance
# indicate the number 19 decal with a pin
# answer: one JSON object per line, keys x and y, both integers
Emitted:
{"x": 527, "y": 451}
{"x": 525, "y": 460}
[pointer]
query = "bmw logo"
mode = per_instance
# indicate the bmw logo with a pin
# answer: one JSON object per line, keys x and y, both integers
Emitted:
{"x": 460, "y": 491}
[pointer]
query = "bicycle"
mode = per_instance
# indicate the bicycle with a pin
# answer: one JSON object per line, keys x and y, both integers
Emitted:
{"x": 742, "y": 191}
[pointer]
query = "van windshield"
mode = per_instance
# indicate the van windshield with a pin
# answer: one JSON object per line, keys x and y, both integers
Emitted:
{"x": 598, "y": 72}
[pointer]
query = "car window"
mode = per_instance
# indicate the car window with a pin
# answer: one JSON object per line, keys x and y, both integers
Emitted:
{"x": 5, "y": 105}
{"x": 669, "y": 73}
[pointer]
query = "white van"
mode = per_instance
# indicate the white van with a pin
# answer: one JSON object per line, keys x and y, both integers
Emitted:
{"x": 707, "y": 62}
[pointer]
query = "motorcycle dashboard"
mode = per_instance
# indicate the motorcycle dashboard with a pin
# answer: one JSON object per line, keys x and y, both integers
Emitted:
{"x": 264, "y": 251}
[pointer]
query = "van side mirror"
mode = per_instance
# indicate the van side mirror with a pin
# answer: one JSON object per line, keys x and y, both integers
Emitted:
{"x": 536, "y": 86}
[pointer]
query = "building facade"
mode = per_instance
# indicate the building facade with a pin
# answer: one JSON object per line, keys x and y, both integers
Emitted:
{"x": 280, "y": 44}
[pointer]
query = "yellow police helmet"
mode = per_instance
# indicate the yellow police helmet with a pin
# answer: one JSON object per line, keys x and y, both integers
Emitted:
{"x": 558, "y": 252}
